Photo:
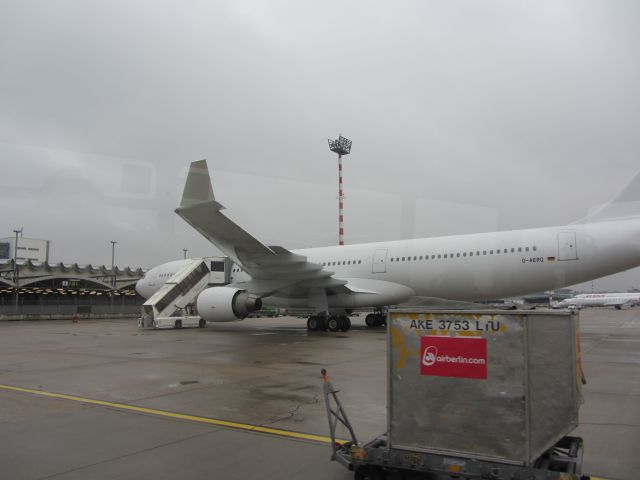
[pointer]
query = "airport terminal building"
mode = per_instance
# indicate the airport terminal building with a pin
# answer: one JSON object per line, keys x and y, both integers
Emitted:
{"x": 31, "y": 286}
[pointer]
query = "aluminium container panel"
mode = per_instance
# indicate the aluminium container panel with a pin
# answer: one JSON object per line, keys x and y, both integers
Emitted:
{"x": 491, "y": 385}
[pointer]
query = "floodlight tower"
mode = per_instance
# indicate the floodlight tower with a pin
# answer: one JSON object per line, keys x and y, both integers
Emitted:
{"x": 16, "y": 272}
{"x": 113, "y": 256}
{"x": 341, "y": 146}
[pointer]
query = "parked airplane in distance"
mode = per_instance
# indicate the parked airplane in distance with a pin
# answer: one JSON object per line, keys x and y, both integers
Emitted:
{"x": 334, "y": 280}
{"x": 616, "y": 300}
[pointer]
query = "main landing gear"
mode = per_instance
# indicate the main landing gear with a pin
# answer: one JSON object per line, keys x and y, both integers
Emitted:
{"x": 333, "y": 323}
{"x": 377, "y": 319}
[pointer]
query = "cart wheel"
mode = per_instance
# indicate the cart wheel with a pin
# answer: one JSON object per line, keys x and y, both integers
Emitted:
{"x": 368, "y": 472}
{"x": 202, "y": 323}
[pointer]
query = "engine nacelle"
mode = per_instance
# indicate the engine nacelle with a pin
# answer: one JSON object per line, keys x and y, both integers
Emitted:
{"x": 226, "y": 304}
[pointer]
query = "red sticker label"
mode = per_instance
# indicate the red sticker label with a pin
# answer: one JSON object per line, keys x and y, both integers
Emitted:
{"x": 453, "y": 357}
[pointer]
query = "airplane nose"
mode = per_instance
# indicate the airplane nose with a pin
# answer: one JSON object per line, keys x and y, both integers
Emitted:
{"x": 139, "y": 288}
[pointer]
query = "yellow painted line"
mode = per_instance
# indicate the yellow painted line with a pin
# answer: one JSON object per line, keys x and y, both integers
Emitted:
{"x": 180, "y": 416}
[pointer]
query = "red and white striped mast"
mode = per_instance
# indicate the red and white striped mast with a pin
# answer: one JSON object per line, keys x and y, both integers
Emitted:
{"x": 341, "y": 146}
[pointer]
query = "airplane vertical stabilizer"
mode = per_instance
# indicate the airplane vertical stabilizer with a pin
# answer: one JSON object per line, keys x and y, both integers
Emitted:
{"x": 198, "y": 188}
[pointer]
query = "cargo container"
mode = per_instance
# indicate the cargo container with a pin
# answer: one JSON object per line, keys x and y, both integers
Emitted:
{"x": 471, "y": 392}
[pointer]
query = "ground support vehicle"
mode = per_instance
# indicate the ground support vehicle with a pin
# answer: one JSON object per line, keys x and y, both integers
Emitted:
{"x": 179, "y": 322}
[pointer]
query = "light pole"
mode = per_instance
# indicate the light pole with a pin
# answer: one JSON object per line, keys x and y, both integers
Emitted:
{"x": 184, "y": 250}
{"x": 341, "y": 146}
{"x": 16, "y": 273}
{"x": 113, "y": 251}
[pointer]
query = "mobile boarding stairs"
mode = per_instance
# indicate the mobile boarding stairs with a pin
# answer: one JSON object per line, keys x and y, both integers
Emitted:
{"x": 172, "y": 306}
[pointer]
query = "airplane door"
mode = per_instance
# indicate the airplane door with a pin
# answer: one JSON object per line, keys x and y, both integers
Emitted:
{"x": 379, "y": 261}
{"x": 567, "y": 249}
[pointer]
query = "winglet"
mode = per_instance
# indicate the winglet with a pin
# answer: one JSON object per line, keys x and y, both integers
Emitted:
{"x": 626, "y": 204}
{"x": 198, "y": 188}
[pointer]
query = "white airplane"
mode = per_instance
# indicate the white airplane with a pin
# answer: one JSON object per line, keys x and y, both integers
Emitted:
{"x": 334, "y": 280}
{"x": 616, "y": 300}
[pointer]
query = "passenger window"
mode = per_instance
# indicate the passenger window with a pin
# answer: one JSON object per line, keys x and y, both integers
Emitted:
{"x": 534, "y": 249}
{"x": 445, "y": 255}
{"x": 471, "y": 254}
{"x": 464, "y": 254}
{"x": 359, "y": 262}
{"x": 392, "y": 259}
{"x": 415, "y": 258}
{"x": 513, "y": 250}
{"x": 439, "y": 256}
{"x": 403, "y": 259}
{"x": 526, "y": 249}
{"x": 420, "y": 257}
{"x": 519, "y": 249}
{"x": 505, "y": 250}
{"x": 433, "y": 256}
{"x": 457, "y": 254}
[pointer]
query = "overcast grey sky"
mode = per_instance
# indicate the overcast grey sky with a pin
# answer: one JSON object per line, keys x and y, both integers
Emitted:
{"x": 465, "y": 116}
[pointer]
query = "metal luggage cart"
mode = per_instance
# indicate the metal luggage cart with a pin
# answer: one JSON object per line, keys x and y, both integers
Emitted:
{"x": 377, "y": 460}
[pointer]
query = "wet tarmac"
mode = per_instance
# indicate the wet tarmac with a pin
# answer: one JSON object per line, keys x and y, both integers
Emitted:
{"x": 126, "y": 394}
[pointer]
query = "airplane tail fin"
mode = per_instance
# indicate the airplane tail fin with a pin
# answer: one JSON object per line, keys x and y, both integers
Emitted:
{"x": 625, "y": 204}
{"x": 200, "y": 209}
{"x": 197, "y": 188}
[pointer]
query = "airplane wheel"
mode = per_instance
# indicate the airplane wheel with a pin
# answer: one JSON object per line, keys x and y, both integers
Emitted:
{"x": 345, "y": 323}
{"x": 202, "y": 323}
{"x": 370, "y": 320}
{"x": 379, "y": 320}
{"x": 323, "y": 324}
{"x": 334, "y": 324}
{"x": 178, "y": 324}
{"x": 312, "y": 324}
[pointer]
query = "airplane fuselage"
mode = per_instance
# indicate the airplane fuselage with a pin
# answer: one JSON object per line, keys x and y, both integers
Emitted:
{"x": 474, "y": 267}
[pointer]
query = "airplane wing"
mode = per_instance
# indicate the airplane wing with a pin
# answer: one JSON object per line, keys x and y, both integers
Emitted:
{"x": 272, "y": 268}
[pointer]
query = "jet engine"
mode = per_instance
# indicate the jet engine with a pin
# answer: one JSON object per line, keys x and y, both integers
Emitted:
{"x": 226, "y": 304}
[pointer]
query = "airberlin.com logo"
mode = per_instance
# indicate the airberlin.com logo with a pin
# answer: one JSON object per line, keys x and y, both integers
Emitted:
{"x": 429, "y": 356}
{"x": 453, "y": 357}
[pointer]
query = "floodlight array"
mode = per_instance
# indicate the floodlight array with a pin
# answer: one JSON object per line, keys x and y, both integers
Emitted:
{"x": 341, "y": 146}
